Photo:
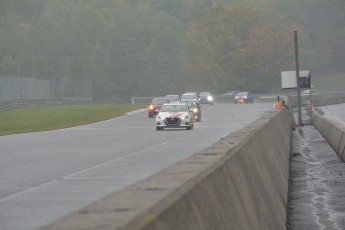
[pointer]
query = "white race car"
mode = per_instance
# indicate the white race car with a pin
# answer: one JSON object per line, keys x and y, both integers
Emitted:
{"x": 174, "y": 116}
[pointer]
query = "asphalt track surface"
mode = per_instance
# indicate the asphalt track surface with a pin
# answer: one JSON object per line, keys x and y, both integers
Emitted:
{"x": 46, "y": 175}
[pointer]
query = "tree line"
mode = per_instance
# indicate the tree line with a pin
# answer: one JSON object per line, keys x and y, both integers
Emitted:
{"x": 149, "y": 47}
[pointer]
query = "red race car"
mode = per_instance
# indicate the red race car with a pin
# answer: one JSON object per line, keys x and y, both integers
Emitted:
{"x": 155, "y": 105}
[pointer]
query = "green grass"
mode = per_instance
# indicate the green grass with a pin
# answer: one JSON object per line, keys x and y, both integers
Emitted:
{"x": 43, "y": 118}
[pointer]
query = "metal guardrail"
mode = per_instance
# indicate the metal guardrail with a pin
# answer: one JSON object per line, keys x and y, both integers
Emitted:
{"x": 19, "y": 103}
{"x": 11, "y": 104}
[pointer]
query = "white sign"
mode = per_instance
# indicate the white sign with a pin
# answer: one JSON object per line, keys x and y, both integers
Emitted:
{"x": 289, "y": 80}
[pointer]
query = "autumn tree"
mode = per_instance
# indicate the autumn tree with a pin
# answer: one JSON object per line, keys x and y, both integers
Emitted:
{"x": 213, "y": 39}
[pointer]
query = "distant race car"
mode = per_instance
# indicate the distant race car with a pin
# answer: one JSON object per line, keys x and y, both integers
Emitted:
{"x": 244, "y": 98}
{"x": 155, "y": 105}
{"x": 174, "y": 116}
{"x": 189, "y": 96}
{"x": 205, "y": 98}
{"x": 195, "y": 107}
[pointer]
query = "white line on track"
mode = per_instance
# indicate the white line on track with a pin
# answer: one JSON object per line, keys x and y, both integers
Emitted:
{"x": 82, "y": 171}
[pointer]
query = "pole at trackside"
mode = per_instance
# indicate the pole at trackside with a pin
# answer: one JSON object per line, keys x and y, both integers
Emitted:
{"x": 298, "y": 81}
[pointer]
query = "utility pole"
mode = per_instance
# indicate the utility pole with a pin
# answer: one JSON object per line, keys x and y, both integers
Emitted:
{"x": 298, "y": 81}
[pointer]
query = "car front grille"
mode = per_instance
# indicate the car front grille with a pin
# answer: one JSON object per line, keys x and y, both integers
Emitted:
{"x": 172, "y": 121}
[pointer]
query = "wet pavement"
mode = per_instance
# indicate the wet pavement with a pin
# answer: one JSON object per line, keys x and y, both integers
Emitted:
{"x": 317, "y": 183}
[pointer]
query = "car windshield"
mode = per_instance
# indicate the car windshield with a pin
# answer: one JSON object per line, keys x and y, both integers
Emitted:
{"x": 242, "y": 94}
{"x": 174, "y": 108}
{"x": 188, "y": 96}
{"x": 204, "y": 94}
{"x": 159, "y": 101}
{"x": 173, "y": 97}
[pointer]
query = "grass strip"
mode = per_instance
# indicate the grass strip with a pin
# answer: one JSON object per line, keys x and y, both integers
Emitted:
{"x": 44, "y": 118}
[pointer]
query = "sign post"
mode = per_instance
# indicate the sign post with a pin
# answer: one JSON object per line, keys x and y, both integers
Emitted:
{"x": 297, "y": 79}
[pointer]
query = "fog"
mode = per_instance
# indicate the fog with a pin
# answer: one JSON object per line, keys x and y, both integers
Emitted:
{"x": 112, "y": 50}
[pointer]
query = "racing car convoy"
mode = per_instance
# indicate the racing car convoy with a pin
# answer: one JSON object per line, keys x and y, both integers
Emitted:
{"x": 174, "y": 111}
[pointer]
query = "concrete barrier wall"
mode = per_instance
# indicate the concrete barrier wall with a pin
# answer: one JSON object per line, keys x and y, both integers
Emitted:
{"x": 240, "y": 182}
{"x": 328, "y": 101}
{"x": 331, "y": 131}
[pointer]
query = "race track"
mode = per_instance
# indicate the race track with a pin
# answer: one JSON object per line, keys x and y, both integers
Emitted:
{"x": 46, "y": 175}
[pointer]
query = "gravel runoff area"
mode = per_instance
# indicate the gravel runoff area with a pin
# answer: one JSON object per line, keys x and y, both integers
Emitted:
{"x": 317, "y": 183}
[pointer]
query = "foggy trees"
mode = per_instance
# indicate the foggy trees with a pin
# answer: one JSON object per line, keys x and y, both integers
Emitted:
{"x": 146, "y": 48}
{"x": 124, "y": 49}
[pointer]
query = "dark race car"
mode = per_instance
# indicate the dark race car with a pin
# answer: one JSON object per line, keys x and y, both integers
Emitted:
{"x": 244, "y": 98}
{"x": 205, "y": 98}
{"x": 189, "y": 96}
{"x": 195, "y": 108}
{"x": 155, "y": 105}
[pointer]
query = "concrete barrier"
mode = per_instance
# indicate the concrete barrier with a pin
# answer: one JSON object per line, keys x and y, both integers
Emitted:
{"x": 240, "y": 182}
{"x": 331, "y": 131}
{"x": 328, "y": 101}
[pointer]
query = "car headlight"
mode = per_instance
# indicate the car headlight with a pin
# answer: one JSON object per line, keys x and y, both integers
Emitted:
{"x": 195, "y": 110}
{"x": 210, "y": 98}
{"x": 159, "y": 117}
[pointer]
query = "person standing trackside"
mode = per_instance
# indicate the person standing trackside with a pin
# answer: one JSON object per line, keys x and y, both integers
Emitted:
{"x": 278, "y": 104}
